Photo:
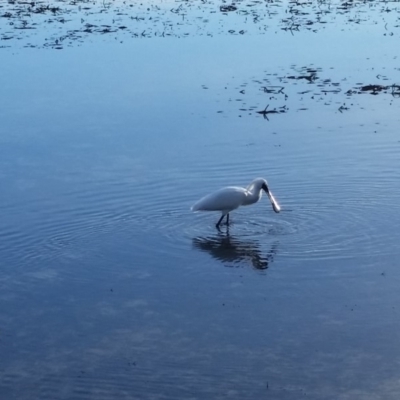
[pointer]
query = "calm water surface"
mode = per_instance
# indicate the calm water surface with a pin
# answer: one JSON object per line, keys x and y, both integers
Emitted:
{"x": 111, "y": 288}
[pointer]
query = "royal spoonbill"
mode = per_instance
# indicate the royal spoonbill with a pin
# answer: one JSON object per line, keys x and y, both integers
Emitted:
{"x": 229, "y": 198}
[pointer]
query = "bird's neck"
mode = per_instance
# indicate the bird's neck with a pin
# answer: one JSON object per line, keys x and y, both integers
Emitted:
{"x": 253, "y": 196}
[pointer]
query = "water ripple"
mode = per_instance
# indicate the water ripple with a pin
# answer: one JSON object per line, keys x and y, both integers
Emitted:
{"x": 336, "y": 217}
{"x": 323, "y": 222}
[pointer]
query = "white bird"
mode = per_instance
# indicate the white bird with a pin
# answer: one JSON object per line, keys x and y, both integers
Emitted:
{"x": 229, "y": 198}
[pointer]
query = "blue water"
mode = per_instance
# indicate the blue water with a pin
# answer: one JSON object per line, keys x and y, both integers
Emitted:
{"x": 111, "y": 288}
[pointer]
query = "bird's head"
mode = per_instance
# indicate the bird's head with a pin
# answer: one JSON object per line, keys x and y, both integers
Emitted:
{"x": 258, "y": 184}
{"x": 264, "y": 186}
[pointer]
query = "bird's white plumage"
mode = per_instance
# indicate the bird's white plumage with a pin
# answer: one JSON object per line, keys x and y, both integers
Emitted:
{"x": 224, "y": 200}
{"x": 229, "y": 198}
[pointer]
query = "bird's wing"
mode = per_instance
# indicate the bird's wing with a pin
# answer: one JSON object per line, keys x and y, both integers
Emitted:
{"x": 225, "y": 199}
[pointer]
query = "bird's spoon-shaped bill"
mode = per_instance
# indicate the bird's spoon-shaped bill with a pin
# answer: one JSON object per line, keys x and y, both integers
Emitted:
{"x": 274, "y": 203}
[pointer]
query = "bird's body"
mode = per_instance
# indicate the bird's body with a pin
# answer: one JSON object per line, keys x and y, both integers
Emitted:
{"x": 229, "y": 198}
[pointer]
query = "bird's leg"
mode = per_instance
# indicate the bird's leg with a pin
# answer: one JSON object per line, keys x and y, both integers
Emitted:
{"x": 227, "y": 219}
{"x": 219, "y": 221}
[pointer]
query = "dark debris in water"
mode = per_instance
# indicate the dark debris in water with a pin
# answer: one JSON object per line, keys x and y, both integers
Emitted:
{"x": 376, "y": 89}
{"x": 225, "y": 8}
{"x": 279, "y": 110}
{"x": 301, "y": 87}
{"x": 59, "y": 23}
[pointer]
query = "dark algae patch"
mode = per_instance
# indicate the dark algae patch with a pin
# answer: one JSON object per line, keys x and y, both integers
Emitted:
{"x": 394, "y": 89}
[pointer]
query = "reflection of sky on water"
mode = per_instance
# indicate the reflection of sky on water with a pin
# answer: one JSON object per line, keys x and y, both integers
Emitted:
{"x": 233, "y": 250}
{"x": 113, "y": 288}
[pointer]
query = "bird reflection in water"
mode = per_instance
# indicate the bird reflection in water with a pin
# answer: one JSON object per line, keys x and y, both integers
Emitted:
{"x": 229, "y": 249}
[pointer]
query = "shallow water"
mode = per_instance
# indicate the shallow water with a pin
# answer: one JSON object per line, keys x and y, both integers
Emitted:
{"x": 112, "y": 288}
